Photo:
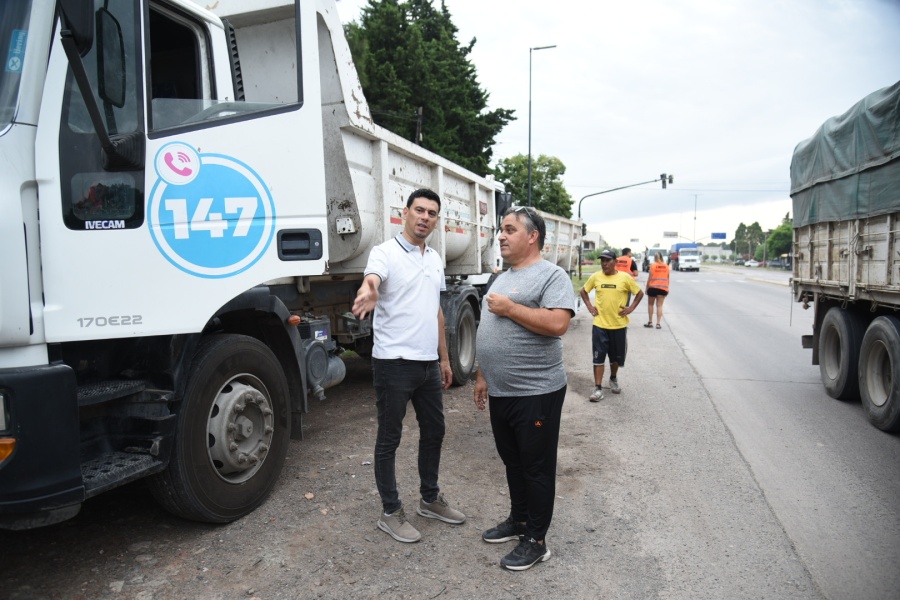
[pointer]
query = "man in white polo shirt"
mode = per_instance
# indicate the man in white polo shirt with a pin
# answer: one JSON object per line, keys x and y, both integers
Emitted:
{"x": 403, "y": 283}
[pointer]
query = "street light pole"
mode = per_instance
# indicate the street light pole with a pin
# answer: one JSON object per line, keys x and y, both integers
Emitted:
{"x": 695, "y": 217}
{"x": 663, "y": 178}
{"x": 529, "y": 114}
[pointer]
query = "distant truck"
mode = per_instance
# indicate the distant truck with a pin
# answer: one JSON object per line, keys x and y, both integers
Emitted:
{"x": 650, "y": 256}
{"x": 684, "y": 256}
{"x": 845, "y": 187}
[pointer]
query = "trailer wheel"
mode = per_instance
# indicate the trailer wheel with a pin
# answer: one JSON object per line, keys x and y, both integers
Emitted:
{"x": 839, "y": 341}
{"x": 232, "y": 435}
{"x": 461, "y": 345}
{"x": 879, "y": 373}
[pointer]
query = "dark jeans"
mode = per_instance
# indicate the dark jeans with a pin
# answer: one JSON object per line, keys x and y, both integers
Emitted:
{"x": 398, "y": 381}
{"x": 526, "y": 431}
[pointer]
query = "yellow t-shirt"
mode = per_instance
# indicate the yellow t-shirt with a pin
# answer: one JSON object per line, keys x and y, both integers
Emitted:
{"x": 611, "y": 296}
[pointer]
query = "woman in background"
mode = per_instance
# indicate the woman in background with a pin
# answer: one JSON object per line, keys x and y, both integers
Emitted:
{"x": 657, "y": 289}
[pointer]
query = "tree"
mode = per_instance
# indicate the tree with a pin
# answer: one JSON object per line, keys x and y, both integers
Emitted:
{"x": 747, "y": 239}
{"x": 420, "y": 83}
{"x": 547, "y": 190}
{"x": 781, "y": 238}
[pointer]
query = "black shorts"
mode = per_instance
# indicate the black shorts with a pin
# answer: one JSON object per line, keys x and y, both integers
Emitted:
{"x": 656, "y": 292}
{"x": 609, "y": 342}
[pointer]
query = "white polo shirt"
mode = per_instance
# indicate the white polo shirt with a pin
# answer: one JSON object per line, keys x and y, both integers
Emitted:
{"x": 409, "y": 296}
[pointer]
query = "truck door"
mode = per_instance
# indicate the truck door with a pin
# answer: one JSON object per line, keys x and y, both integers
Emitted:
{"x": 212, "y": 194}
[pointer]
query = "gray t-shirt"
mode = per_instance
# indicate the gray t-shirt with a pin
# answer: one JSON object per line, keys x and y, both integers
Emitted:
{"x": 514, "y": 360}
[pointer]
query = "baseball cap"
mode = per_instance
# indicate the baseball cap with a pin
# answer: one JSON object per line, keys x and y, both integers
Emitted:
{"x": 608, "y": 254}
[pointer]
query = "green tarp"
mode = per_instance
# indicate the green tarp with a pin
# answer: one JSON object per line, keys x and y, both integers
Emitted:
{"x": 850, "y": 168}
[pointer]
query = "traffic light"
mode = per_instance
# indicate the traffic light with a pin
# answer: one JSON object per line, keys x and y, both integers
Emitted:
{"x": 666, "y": 178}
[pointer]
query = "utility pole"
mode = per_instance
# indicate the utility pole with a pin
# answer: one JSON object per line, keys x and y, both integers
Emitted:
{"x": 695, "y": 218}
{"x": 418, "y": 139}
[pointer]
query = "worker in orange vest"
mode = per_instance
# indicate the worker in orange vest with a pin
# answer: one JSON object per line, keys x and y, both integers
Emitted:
{"x": 626, "y": 264}
{"x": 657, "y": 289}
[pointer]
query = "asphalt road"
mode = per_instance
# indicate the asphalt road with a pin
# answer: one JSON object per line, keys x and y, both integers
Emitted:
{"x": 832, "y": 480}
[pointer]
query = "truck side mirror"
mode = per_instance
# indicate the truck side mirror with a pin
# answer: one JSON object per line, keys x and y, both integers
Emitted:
{"x": 110, "y": 59}
{"x": 77, "y": 19}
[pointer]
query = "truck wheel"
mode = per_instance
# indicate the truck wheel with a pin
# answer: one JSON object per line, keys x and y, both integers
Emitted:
{"x": 879, "y": 373}
{"x": 839, "y": 342}
{"x": 232, "y": 434}
{"x": 461, "y": 346}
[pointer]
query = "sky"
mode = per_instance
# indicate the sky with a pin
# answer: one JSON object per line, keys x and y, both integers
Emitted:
{"x": 717, "y": 94}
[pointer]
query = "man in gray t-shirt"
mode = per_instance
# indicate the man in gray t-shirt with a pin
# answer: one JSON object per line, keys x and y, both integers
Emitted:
{"x": 521, "y": 375}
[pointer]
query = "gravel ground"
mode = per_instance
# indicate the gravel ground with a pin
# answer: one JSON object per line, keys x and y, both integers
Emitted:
{"x": 653, "y": 501}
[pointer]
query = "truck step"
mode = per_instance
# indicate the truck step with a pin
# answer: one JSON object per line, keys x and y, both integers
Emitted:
{"x": 116, "y": 468}
{"x": 103, "y": 391}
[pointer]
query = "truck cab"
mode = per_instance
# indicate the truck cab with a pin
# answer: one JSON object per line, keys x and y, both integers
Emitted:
{"x": 689, "y": 259}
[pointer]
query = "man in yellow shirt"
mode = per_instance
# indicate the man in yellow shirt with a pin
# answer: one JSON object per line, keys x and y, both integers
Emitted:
{"x": 610, "y": 310}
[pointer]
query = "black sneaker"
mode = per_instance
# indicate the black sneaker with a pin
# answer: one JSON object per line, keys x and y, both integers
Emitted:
{"x": 506, "y": 531}
{"x": 527, "y": 554}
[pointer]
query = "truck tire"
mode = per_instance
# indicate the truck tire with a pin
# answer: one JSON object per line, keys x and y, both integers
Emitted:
{"x": 232, "y": 434}
{"x": 839, "y": 342}
{"x": 879, "y": 373}
{"x": 461, "y": 345}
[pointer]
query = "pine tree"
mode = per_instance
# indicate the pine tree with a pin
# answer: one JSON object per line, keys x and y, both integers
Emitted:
{"x": 409, "y": 60}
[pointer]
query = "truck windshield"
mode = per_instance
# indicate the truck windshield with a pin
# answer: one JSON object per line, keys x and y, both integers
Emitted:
{"x": 13, "y": 37}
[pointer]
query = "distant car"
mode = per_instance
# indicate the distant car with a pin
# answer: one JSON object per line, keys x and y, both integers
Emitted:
{"x": 751, "y": 263}
{"x": 777, "y": 263}
{"x": 739, "y": 262}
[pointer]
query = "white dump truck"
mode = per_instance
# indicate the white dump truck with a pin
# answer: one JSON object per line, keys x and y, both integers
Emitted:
{"x": 562, "y": 241}
{"x": 189, "y": 200}
{"x": 845, "y": 186}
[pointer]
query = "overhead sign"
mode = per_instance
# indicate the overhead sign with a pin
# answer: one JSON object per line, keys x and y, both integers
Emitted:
{"x": 634, "y": 240}
{"x": 718, "y": 236}
{"x": 670, "y": 234}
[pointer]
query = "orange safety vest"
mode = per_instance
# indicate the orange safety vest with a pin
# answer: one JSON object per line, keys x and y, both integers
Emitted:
{"x": 659, "y": 276}
{"x": 623, "y": 263}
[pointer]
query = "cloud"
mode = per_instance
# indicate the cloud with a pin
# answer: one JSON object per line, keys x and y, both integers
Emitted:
{"x": 718, "y": 93}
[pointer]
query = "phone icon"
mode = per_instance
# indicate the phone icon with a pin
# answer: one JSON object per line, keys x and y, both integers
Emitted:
{"x": 183, "y": 158}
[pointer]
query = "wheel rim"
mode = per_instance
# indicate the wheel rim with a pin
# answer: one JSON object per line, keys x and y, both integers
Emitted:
{"x": 240, "y": 428}
{"x": 831, "y": 358}
{"x": 467, "y": 342}
{"x": 879, "y": 375}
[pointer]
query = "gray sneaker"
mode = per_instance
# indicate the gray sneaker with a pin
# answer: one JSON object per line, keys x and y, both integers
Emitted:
{"x": 440, "y": 509}
{"x": 396, "y": 526}
{"x": 614, "y": 386}
{"x": 596, "y": 395}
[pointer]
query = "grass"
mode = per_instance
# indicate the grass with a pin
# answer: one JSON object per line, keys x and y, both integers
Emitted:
{"x": 586, "y": 271}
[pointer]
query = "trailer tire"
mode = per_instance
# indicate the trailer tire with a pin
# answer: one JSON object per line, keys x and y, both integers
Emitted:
{"x": 879, "y": 373}
{"x": 840, "y": 338}
{"x": 232, "y": 434}
{"x": 461, "y": 345}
